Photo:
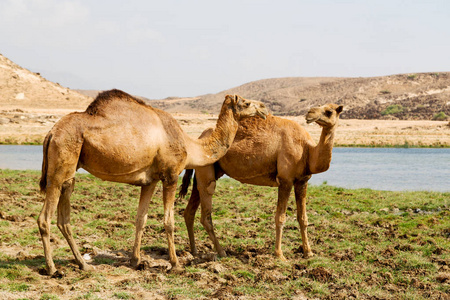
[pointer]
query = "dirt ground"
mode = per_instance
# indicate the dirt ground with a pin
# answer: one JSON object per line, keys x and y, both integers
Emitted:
{"x": 21, "y": 127}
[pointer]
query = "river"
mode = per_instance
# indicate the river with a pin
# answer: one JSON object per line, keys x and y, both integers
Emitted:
{"x": 392, "y": 169}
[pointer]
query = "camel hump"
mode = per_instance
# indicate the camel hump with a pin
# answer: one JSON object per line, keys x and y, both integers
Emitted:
{"x": 106, "y": 97}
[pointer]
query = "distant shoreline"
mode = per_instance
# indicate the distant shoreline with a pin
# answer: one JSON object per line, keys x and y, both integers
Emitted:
{"x": 30, "y": 128}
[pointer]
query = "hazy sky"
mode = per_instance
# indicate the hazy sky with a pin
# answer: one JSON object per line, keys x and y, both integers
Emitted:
{"x": 168, "y": 48}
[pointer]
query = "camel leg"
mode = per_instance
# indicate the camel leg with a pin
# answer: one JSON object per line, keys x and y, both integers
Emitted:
{"x": 206, "y": 185}
{"x": 141, "y": 219}
{"x": 300, "y": 198}
{"x": 169, "y": 191}
{"x": 189, "y": 216}
{"x": 50, "y": 203}
{"x": 284, "y": 190}
{"x": 64, "y": 222}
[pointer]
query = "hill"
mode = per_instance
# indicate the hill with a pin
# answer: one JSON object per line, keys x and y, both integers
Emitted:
{"x": 25, "y": 90}
{"x": 30, "y": 105}
{"x": 420, "y": 96}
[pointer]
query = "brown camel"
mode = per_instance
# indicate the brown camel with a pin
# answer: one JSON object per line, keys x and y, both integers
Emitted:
{"x": 272, "y": 152}
{"x": 120, "y": 138}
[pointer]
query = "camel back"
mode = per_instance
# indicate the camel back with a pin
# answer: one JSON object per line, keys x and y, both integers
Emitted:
{"x": 113, "y": 95}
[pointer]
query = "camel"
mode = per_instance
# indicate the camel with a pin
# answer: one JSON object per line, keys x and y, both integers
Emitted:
{"x": 274, "y": 152}
{"x": 119, "y": 138}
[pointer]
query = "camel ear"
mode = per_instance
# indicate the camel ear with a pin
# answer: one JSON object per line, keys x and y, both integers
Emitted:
{"x": 340, "y": 109}
{"x": 236, "y": 99}
{"x": 232, "y": 99}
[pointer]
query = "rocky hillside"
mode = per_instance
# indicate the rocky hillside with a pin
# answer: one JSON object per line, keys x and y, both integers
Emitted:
{"x": 25, "y": 90}
{"x": 421, "y": 96}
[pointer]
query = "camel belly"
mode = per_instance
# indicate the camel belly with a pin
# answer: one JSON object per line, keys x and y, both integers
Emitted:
{"x": 119, "y": 168}
{"x": 251, "y": 170}
{"x": 134, "y": 158}
{"x": 257, "y": 180}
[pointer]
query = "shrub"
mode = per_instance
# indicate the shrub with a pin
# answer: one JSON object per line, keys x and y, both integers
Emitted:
{"x": 440, "y": 116}
{"x": 392, "y": 110}
{"x": 385, "y": 92}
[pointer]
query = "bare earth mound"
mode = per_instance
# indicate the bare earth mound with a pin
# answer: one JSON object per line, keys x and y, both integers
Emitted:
{"x": 25, "y": 90}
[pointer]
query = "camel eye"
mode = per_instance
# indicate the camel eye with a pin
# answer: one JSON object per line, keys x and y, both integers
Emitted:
{"x": 246, "y": 104}
{"x": 328, "y": 113}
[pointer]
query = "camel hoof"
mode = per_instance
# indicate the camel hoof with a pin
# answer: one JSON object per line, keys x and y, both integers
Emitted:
{"x": 58, "y": 274}
{"x": 280, "y": 256}
{"x": 222, "y": 254}
{"x": 308, "y": 255}
{"x": 177, "y": 269}
{"x": 135, "y": 263}
{"x": 49, "y": 271}
{"x": 86, "y": 267}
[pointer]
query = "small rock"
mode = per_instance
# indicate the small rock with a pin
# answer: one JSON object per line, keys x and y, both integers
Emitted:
{"x": 87, "y": 257}
{"x": 217, "y": 268}
{"x": 230, "y": 277}
{"x": 347, "y": 212}
{"x": 4, "y": 121}
{"x": 21, "y": 255}
{"x": 443, "y": 277}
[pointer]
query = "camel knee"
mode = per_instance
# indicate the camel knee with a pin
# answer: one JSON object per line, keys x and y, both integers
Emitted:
{"x": 303, "y": 221}
{"x": 169, "y": 226}
{"x": 189, "y": 213}
{"x": 211, "y": 187}
{"x": 64, "y": 227}
{"x": 188, "y": 216}
{"x": 68, "y": 183}
{"x": 208, "y": 188}
{"x": 43, "y": 224}
{"x": 206, "y": 221}
{"x": 280, "y": 220}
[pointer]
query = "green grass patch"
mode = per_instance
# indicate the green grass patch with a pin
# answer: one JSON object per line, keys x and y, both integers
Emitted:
{"x": 392, "y": 110}
{"x": 367, "y": 243}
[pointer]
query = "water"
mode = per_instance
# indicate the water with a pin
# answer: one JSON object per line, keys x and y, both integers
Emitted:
{"x": 393, "y": 169}
{"x": 20, "y": 157}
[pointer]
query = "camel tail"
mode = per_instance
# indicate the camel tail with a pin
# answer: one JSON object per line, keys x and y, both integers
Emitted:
{"x": 185, "y": 183}
{"x": 43, "y": 181}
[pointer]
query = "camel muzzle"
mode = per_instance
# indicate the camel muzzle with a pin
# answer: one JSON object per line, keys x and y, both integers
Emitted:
{"x": 262, "y": 113}
{"x": 310, "y": 119}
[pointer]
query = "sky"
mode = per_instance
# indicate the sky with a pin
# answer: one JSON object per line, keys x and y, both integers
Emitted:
{"x": 160, "y": 49}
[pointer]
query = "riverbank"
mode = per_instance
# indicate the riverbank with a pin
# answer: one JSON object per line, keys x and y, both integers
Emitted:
{"x": 367, "y": 244}
{"x": 30, "y": 127}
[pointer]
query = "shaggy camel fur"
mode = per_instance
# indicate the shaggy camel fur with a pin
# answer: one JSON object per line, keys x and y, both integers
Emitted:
{"x": 272, "y": 152}
{"x": 120, "y": 138}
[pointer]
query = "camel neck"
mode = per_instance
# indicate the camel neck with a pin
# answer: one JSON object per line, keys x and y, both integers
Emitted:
{"x": 210, "y": 149}
{"x": 320, "y": 155}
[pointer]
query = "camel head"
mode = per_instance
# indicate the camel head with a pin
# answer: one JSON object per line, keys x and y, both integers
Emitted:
{"x": 243, "y": 108}
{"x": 326, "y": 115}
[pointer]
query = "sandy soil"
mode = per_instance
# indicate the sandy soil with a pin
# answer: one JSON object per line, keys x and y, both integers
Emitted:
{"x": 21, "y": 127}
